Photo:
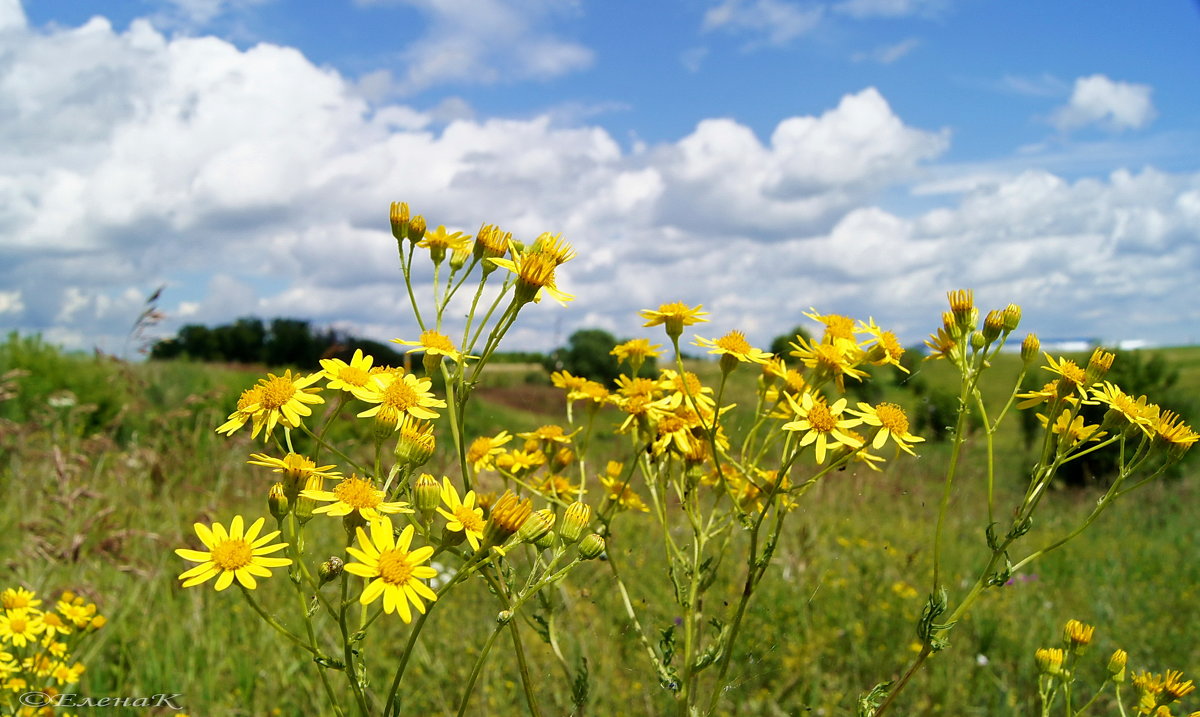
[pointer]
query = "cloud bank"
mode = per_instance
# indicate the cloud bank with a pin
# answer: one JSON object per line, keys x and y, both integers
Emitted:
{"x": 254, "y": 182}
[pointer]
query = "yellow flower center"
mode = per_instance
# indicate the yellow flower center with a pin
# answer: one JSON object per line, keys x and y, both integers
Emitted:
{"x": 399, "y": 395}
{"x": 358, "y": 493}
{"x": 795, "y": 381}
{"x": 470, "y": 520}
{"x": 734, "y": 342}
{"x": 52, "y": 620}
{"x": 232, "y": 554}
{"x": 276, "y": 392}
{"x": 480, "y": 447}
{"x": 830, "y": 357}
{"x": 671, "y": 424}
{"x": 893, "y": 418}
{"x": 638, "y": 387}
{"x": 537, "y": 269}
{"x": 891, "y": 345}
{"x": 434, "y": 340}
{"x": 18, "y": 623}
{"x": 354, "y": 376}
{"x": 249, "y": 397}
{"x": 1071, "y": 371}
{"x": 394, "y": 567}
{"x": 838, "y": 327}
{"x": 821, "y": 419}
{"x": 549, "y": 433}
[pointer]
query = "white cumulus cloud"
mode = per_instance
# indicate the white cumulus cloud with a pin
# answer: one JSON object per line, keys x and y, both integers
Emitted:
{"x": 1112, "y": 105}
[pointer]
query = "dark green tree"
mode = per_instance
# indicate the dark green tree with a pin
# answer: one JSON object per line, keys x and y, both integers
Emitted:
{"x": 588, "y": 353}
{"x": 779, "y": 345}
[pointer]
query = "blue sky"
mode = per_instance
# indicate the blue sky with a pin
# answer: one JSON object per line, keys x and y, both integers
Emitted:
{"x": 757, "y": 156}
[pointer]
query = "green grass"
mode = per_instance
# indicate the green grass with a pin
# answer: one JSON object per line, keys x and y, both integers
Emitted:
{"x": 98, "y": 499}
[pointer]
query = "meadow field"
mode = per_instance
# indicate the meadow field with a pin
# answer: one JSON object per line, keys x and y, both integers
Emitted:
{"x": 105, "y": 466}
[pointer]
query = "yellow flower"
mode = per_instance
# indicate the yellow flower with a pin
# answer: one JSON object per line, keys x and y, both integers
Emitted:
{"x": 892, "y": 423}
{"x": 294, "y": 466}
{"x": 1074, "y": 379}
{"x": 617, "y": 489}
{"x": 837, "y": 328}
{"x": 535, "y": 275}
{"x": 506, "y": 518}
{"x": 397, "y": 395}
{"x": 686, "y": 389}
{"x": 941, "y": 345}
{"x": 396, "y": 571}
{"x": 283, "y": 399}
{"x": 484, "y": 449}
{"x": 491, "y": 243}
{"x": 883, "y": 347}
{"x": 439, "y": 241}
{"x": 247, "y": 405}
{"x": 434, "y": 344}
{"x": 1047, "y": 394}
{"x": 673, "y": 316}
{"x": 1121, "y": 405}
{"x": 463, "y": 516}
{"x": 830, "y": 360}
{"x": 1171, "y": 432}
{"x": 822, "y": 424}
{"x": 1078, "y": 634}
{"x": 348, "y": 377}
{"x": 550, "y": 434}
{"x": 734, "y": 344}
{"x": 21, "y": 627}
{"x": 635, "y": 352}
{"x": 553, "y": 245}
{"x": 355, "y": 494}
{"x": 1074, "y": 431}
{"x": 17, "y": 598}
{"x": 573, "y": 385}
{"x": 232, "y": 554}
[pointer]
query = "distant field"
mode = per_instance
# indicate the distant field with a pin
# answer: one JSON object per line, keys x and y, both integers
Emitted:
{"x": 101, "y": 491}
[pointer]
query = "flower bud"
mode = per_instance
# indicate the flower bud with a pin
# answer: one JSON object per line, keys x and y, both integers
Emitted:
{"x": 535, "y": 526}
{"x": 962, "y": 306}
{"x": 277, "y": 502}
{"x": 506, "y": 518}
{"x": 416, "y": 229}
{"x": 98, "y": 622}
{"x": 400, "y": 218}
{"x": 305, "y": 506}
{"x": 458, "y": 258}
{"x": 330, "y": 569}
{"x": 416, "y": 443}
{"x": 1012, "y": 317}
{"x": 1098, "y": 366}
{"x": 993, "y": 325}
{"x": 978, "y": 340}
{"x": 575, "y": 521}
{"x": 1077, "y": 636}
{"x": 591, "y": 547}
{"x": 546, "y": 541}
{"x": 427, "y": 495}
{"x": 1031, "y": 349}
{"x": 1049, "y": 660}
{"x": 1116, "y": 666}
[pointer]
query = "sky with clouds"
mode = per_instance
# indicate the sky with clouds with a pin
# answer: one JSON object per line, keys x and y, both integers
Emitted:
{"x": 757, "y": 156}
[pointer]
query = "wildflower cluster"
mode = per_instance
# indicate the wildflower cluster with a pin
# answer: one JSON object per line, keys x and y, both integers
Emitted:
{"x": 1156, "y": 694}
{"x": 519, "y": 511}
{"x": 37, "y": 644}
{"x": 396, "y": 519}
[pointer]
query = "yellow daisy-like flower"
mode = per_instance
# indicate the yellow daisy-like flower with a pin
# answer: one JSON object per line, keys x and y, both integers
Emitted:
{"x": 293, "y": 466}
{"x": 247, "y": 405}
{"x": 892, "y": 422}
{"x": 822, "y": 424}
{"x": 535, "y": 275}
{"x": 553, "y": 244}
{"x": 883, "y": 348}
{"x": 838, "y": 328}
{"x": 636, "y": 351}
{"x": 674, "y": 316}
{"x": 21, "y": 626}
{"x": 941, "y": 345}
{"x": 348, "y": 377}
{"x": 232, "y": 554}
{"x": 573, "y": 385}
{"x": 463, "y": 516}
{"x": 355, "y": 494}
{"x": 519, "y": 461}
{"x": 394, "y": 570}
{"x": 1074, "y": 378}
{"x": 284, "y": 399}
{"x": 1134, "y": 412}
{"x": 1074, "y": 431}
{"x": 550, "y": 434}
{"x": 830, "y": 360}
{"x": 734, "y": 344}
{"x": 397, "y": 395}
{"x": 490, "y": 243}
{"x": 1046, "y": 394}
{"x": 17, "y": 598}
{"x": 440, "y": 240}
{"x": 558, "y": 486}
{"x": 1171, "y": 432}
{"x": 484, "y": 449}
{"x": 686, "y": 389}
{"x": 55, "y": 625}
{"x": 434, "y": 344}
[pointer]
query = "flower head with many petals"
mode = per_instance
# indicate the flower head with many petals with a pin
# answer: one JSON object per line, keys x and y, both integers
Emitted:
{"x": 232, "y": 554}
{"x": 395, "y": 572}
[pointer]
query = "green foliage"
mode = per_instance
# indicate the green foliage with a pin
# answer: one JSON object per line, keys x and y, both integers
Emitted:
{"x": 285, "y": 342}
{"x": 44, "y": 381}
{"x": 588, "y": 353}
